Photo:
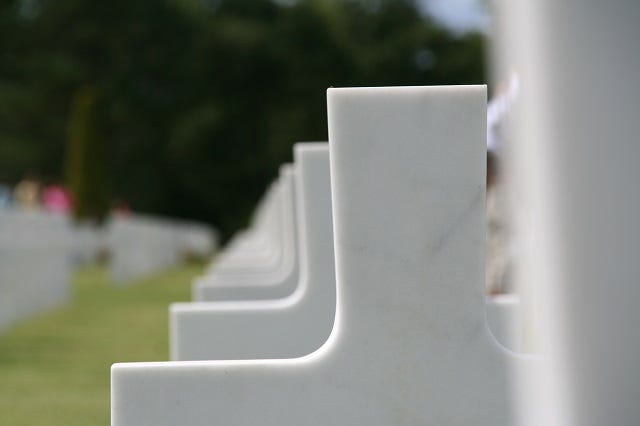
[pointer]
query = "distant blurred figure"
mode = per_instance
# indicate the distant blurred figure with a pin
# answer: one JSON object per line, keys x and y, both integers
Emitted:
{"x": 498, "y": 238}
{"x": 5, "y": 195}
{"x": 499, "y": 257}
{"x": 27, "y": 192}
{"x": 498, "y": 109}
{"x": 119, "y": 207}
{"x": 56, "y": 198}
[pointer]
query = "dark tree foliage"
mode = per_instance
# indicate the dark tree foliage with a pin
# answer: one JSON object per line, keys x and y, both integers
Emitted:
{"x": 86, "y": 168}
{"x": 201, "y": 100}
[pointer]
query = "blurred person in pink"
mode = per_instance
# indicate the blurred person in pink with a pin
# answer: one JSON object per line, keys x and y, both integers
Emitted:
{"x": 56, "y": 198}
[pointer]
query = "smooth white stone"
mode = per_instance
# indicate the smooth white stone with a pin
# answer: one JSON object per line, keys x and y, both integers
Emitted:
{"x": 504, "y": 318}
{"x": 142, "y": 245}
{"x": 260, "y": 246}
{"x": 90, "y": 241}
{"x": 576, "y": 170}
{"x": 197, "y": 239}
{"x": 282, "y": 328}
{"x": 36, "y": 249}
{"x": 410, "y": 344}
{"x": 250, "y": 284}
{"x": 270, "y": 232}
{"x": 282, "y": 236}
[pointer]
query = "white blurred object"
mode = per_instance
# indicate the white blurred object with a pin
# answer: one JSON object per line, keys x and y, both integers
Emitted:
{"x": 36, "y": 250}
{"x": 498, "y": 110}
{"x": 575, "y": 164}
{"x": 141, "y": 245}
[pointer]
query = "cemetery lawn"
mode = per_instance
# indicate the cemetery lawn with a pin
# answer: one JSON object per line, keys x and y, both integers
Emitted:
{"x": 54, "y": 369}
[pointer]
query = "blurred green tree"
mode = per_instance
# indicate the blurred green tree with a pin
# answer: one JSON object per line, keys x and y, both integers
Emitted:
{"x": 86, "y": 165}
{"x": 201, "y": 100}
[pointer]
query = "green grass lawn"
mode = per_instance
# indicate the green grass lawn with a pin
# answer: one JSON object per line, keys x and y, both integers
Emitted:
{"x": 54, "y": 369}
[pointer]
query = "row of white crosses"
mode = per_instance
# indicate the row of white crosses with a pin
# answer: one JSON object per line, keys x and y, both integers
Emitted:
{"x": 266, "y": 258}
{"x": 35, "y": 263}
{"x": 141, "y": 245}
{"x": 397, "y": 335}
{"x": 39, "y": 249}
{"x": 273, "y": 314}
{"x": 409, "y": 342}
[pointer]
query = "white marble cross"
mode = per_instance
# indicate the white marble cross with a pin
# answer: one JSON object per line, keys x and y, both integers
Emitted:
{"x": 288, "y": 327}
{"x": 410, "y": 344}
{"x": 141, "y": 245}
{"x": 36, "y": 249}
{"x": 258, "y": 245}
{"x": 258, "y": 248}
{"x": 253, "y": 282}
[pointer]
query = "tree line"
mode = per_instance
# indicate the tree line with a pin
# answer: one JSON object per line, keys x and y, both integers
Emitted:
{"x": 187, "y": 107}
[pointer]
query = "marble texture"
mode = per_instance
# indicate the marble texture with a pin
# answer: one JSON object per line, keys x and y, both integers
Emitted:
{"x": 410, "y": 344}
{"x": 278, "y": 328}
